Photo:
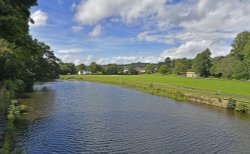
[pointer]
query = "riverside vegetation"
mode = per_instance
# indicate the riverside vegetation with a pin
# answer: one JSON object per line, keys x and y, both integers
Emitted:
{"x": 236, "y": 93}
{"x": 11, "y": 110}
{"x": 23, "y": 61}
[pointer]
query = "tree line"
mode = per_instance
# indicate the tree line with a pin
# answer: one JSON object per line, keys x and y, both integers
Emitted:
{"x": 235, "y": 65}
{"x": 23, "y": 59}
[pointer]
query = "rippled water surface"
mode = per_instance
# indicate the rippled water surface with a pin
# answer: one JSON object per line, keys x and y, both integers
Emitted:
{"x": 73, "y": 117}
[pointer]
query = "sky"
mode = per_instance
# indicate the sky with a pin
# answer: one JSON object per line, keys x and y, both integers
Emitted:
{"x": 126, "y": 31}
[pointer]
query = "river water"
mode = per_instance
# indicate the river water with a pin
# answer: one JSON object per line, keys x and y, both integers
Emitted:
{"x": 74, "y": 117}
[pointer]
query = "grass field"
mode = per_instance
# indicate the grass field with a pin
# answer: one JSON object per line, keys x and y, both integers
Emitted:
{"x": 221, "y": 86}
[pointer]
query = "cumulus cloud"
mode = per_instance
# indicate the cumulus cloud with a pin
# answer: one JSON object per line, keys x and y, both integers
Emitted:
{"x": 71, "y": 50}
{"x": 96, "y": 31}
{"x": 116, "y": 59}
{"x": 194, "y": 24}
{"x": 90, "y": 12}
{"x": 191, "y": 48}
{"x": 40, "y": 18}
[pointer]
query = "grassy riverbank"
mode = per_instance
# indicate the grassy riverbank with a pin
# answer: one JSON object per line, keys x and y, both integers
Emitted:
{"x": 176, "y": 87}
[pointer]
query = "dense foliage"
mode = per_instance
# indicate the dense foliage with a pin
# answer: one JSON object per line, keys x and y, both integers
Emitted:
{"x": 21, "y": 56}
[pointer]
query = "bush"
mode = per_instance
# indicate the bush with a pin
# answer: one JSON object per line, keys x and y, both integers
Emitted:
{"x": 242, "y": 107}
{"x": 15, "y": 86}
{"x": 14, "y": 111}
{"x": 9, "y": 138}
{"x": 231, "y": 104}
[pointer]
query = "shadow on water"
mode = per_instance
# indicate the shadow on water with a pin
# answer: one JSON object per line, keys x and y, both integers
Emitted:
{"x": 39, "y": 103}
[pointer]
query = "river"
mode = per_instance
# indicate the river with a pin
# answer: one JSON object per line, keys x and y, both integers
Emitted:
{"x": 75, "y": 117}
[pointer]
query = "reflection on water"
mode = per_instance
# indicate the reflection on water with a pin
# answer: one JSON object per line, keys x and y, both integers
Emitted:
{"x": 83, "y": 117}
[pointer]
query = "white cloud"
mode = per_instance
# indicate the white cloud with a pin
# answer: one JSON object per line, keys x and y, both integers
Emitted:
{"x": 71, "y": 50}
{"x": 116, "y": 59}
{"x": 200, "y": 24}
{"x": 151, "y": 37}
{"x": 76, "y": 28}
{"x": 90, "y": 12}
{"x": 40, "y": 18}
{"x": 191, "y": 48}
{"x": 96, "y": 31}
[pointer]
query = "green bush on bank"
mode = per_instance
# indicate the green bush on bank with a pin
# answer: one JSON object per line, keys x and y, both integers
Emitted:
{"x": 242, "y": 107}
{"x": 13, "y": 115}
{"x": 14, "y": 87}
{"x": 231, "y": 104}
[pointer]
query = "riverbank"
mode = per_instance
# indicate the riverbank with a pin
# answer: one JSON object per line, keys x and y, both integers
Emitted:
{"x": 216, "y": 92}
{"x": 10, "y": 111}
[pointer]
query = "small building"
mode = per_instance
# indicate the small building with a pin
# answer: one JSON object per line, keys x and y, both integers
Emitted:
{"x": 125, "y": 71}
{"x": 83, "y": 72}
{"x": 191, "y": 74}
{"x": 141, "y": 71}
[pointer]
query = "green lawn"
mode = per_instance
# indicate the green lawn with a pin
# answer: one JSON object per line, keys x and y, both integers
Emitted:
{"x": 240, "y": 88}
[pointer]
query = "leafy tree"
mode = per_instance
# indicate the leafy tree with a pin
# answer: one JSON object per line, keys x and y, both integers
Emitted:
{"x": 150, "y": 68}
{"x": 225, "y": 66}
{"x": 202, "y": 63}
{"x": 95, "y": 68}
{"x": 164, "y": 69}
{"x": 67, "y": 68}
{"x": 9, "y": 62}
{"x": 246, "y": 50}
{"x": 168, "y": 61}
{"x": 132, "y": 70}
{"x": 181, "y": 66}
{"x": 242, "y": 70}
{"x": 111, "y": 69}
{"x": 239, "y": 44}
{"x": 15, "y": 15}
{"x": 80, "y": 67}
{"x": 22, "y": 57}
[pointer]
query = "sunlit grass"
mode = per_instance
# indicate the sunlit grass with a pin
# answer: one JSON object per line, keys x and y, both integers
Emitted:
{"x": 221, "y": 86}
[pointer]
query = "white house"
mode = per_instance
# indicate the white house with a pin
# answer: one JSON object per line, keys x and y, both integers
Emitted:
{"x": 83, "y": 72}
{"x": 141, "y": 71}
{"x": 125, "y": 71}
{"x": 191, "y": 74}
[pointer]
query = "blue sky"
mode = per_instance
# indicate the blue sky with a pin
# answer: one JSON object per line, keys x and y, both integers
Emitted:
{"x": 125, "y": 31}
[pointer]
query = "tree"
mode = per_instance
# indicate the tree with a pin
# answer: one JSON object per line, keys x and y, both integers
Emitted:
{"x": 95, "y": 68}
{"x": 242, "y": 70}
{"x": 67, "y": 68}
{"x": 225, "y": 66}
{"x": 239, "y": 44}
{"x": 14, "y": 18}
{"x": 181, "y": 66}
{"x": 164, "y": 69}
{"x": 202, "y": 63}
{"x": 111, "y": 69}
{"x": 149, "y": 68}
{"x": 246, "y": 50}
{"x": 132, "y": 70}
{"x": 9, "y": 62}
{"x": 168, "y": 61}
{"x": 22, "y": 57}
{"x": 80, "y": 67}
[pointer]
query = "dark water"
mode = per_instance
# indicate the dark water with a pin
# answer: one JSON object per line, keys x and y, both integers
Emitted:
{"x": 73, "y": 117}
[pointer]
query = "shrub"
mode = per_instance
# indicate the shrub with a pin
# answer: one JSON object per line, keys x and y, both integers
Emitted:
{"x": 242, "y": 107}
{"x": 231, "y": 104}
{"x": 14, "y": 111}
{"x": 15, "y": 86}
